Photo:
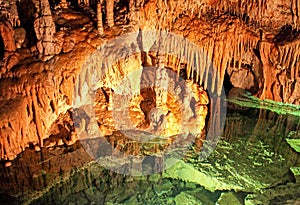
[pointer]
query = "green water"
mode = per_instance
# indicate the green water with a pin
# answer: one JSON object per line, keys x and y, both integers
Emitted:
{"x": 252, "y": 158}
{"x": 250, "y": 165}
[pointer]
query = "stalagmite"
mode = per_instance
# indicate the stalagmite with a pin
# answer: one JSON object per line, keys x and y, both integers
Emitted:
{"x": 161, "y": 76}
{"x": 44, "y": 28}
{"x": 99, "y": 17}
{"x": 110, "y": 13}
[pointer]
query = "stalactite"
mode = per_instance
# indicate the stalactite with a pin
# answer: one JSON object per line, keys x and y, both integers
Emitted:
{"x": 189, "y": 61}
{"x": 288, "y": 58}
{"x": 223, "y": 66}
{"x": 208, "y": 57}
{"x": 197, "y": 65}
{"x": 296, "y": 13}
{"x": 202, "y": 65}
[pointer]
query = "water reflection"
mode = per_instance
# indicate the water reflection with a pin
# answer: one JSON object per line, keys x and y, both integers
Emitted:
{"x": 252, "y": 152}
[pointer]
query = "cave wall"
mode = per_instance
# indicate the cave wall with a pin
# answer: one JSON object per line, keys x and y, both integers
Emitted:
{"x": 258, "y": 40}
{"x": 255, "y": 40}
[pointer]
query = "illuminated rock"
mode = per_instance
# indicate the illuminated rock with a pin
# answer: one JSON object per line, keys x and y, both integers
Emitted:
{"x": 226, "y": 32}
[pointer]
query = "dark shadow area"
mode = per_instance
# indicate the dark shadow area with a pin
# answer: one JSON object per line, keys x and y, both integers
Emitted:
{"x": 227, "y": 84}
{"x": 286, "y": 34}
{"x": 1, "y": 48}
{"x": 26, "y": 10}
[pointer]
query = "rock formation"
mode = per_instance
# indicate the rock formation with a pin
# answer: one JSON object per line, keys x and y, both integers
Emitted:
{"x": 255, "y": 40}
{"x": 7, "y": 34}
{"x": 9, "y": 10}
{"x": 44, "y": 28}
{"x": 110, "y": 13}
{"x": 51, "y": 72}
{"x": 63, "y": 4}
{"x": 99, "y": 17}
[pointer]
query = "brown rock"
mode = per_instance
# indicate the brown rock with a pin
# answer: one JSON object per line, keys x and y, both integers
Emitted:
{"x": 68, "y": 45}
{"x": 37, "y": 148}
{"x": 20, "y": 37}
{"x": 12, "y": 60}
{"x": 36, "y": 93}
{"x": 7, "y": 34}
{"x": 72, "y": 139}
{"x": 44, "y": 27}
{"x": 10, "y": 11}
{"x": 60, "y": 142}
{"x": 64, "y": 4}
{"x": 110, "y": 13}
{"x": 8, "y": 164}
{"x": 242, "y": 78}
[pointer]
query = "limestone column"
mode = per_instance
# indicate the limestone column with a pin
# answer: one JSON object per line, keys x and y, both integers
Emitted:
{"x": 44, "y": 27}
{"x": 161, "y": 77}
{"x": 268, "y": 53}
{"x": 99, "y": 17}
{"x": 110, "y": 12}
{"x": 14, "y": 15}
{"x": 131, "y": 9}
{"x": 161, "y": 81}
{"x": 7, "y": 33}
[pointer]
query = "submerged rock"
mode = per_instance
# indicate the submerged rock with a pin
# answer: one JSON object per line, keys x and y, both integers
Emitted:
{"x": 229, "y": 198}
{"x": 284, "y": 194}
{"x": 185, "y": 198}
{"x": 239, "y": 166}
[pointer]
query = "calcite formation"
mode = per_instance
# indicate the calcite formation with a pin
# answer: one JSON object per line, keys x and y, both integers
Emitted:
{"x": 9, "y": 10}
{"x": 45, "y": 46}
{"x": 44, "y": 28}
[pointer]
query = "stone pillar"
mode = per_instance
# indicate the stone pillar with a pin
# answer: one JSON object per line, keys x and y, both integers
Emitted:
{"x": 161, "y": 76}
{"x": 44, "y": 27}
{"x": 99, "y": 17}
{"x": 9, "y": 9}
{"x": 7, "y": 34}
{"x": 110, "y": 12}
{"x": 161, "y": 81}
{"x": 268, "y": 55}
{"x": 131, "y": 9}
